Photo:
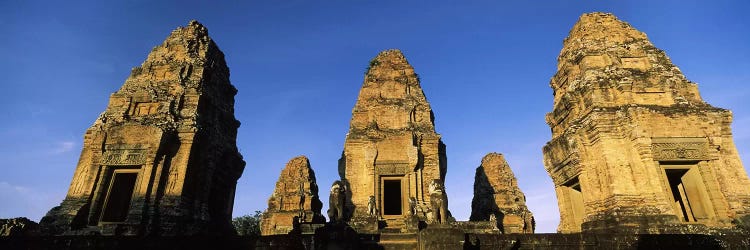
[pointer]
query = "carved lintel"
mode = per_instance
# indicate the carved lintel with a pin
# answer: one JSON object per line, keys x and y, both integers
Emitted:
{"x": 666, "y": 149}
{"x": 391, "y": 168}
{"x": 123, "y": 155}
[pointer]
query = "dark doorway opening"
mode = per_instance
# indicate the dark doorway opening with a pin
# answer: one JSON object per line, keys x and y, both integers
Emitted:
{"x": 392, "y": 197}
{"x": 117, "y": 202}
{"x": 678, "y": 193}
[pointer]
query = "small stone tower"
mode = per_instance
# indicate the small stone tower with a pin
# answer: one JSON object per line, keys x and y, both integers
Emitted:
{"x": 162, "y": 158}
{"x": 294, "y": 200}
{"x": 498, "y": 198}
{"x": 634, "y": 148}
{"x": 392, "y": 155}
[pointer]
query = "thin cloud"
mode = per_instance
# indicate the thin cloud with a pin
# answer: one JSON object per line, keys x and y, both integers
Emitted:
{"x": 22, "y": 201}
{"x": 63, "y": 147}
{"x": 7, "y": 187}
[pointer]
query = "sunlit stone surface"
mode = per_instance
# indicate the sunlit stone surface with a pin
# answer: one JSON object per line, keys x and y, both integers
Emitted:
{"x": 162, "y": 158}
{"x": 634, "y": 147}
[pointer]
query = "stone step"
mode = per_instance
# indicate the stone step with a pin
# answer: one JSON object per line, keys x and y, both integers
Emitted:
{"x": 398, "y": 237}
{"x": 397, "y": 241}
{"x": 390, "y": 230}
{"x": 394, "y": 224}
{"x": 399, "y": 245}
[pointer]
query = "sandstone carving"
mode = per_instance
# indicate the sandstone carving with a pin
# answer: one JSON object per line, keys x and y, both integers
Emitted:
{"x": 295, "y": 199}
{"x": 412, "y": 206}
{"x": 438, "y": 202}
{"x": 634, "y": 148}
{"x": 162, "y": 158}
{"x": 391, "y": 151}
{"x": 372, "y": 207}
{"x": 496, "y": 195}
{"x": 336, "y": 202}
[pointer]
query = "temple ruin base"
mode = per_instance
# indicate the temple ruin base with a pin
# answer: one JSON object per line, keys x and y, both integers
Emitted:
{"x": 440, "y": 237}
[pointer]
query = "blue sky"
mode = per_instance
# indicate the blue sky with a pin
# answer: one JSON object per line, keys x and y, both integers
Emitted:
{"x": 485, "y": 68}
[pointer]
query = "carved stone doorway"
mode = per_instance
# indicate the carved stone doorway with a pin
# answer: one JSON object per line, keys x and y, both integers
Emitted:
{"x": 687, "y": 189}
{"x": 119, "y": 194}
{"x": 392, "y": 196}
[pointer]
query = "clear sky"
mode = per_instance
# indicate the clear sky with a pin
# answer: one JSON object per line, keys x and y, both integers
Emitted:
{"x": 485, "y": 68}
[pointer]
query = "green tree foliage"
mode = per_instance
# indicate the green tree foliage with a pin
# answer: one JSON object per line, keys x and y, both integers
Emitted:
{"x": 374, "y": 62}
{"x": 248, "y": 225}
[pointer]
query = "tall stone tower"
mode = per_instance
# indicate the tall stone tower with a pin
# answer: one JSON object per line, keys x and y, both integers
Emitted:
{"x": 392, "y": 153}
{"x": 162, "y": 158}
{"x": 634, "y": 147}
{"x": 294, "y": 200}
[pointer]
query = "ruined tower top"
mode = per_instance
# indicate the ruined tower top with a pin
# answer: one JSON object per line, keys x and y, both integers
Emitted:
{"x": 178, "y": 65}
{"x": 186, "y": 65}
{"x": 391, "y": 88}
{"x": 193, "y": 42}
{"x": 392, "y": 56}
{"x": 596, "y": 31}
{"x": 607, "y": 63}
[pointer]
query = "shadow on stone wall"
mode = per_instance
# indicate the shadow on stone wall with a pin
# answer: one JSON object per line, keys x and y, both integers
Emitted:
{"x": 348, "y": 207}
{"x": 483, "y": 204}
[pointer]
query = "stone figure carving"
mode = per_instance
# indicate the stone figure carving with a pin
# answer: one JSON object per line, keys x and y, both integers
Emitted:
{"x": 372, "y": 207}
{"x": 412, "y": 206}
{"x": 492, "y": 217}
{"x": 336, "y": 202}
{"x": 438, "y": 202}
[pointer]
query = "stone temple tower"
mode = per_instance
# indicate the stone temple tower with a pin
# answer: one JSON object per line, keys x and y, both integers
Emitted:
{"x": 162, "y": 158}
{"x": 294, "y": 200}
{"x": 392, "y": 153}
{"x": 634, "y": 147}
{"x": 498, "y": 198}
